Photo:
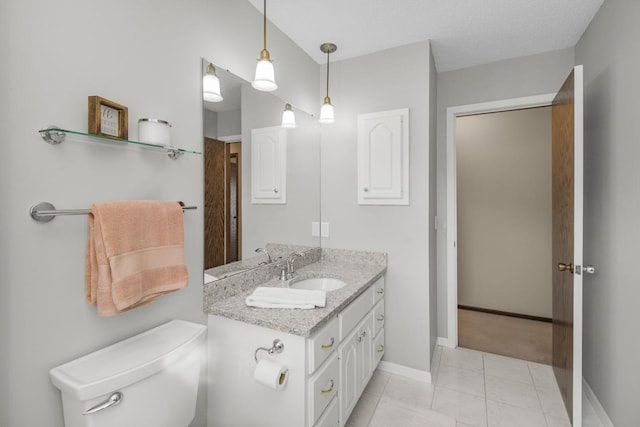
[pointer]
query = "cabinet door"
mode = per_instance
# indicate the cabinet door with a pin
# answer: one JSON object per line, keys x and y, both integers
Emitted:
{"x": 365, "y": 352}
{"x": 349, "y": 379}
{"x": 383, "y": 158}
{"x": 269, "y": 165}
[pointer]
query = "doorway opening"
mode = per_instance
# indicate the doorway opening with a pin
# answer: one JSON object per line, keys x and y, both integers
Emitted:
{"x": 452, "y": 202}
{"x": 222, "y": 201}
{"x": 503, "y": 163}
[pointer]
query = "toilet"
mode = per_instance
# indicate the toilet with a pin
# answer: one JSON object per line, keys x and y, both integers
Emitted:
{"x": 150, "y": 379}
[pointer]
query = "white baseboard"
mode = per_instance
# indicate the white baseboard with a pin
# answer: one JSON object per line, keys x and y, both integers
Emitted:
{"x": 445, "y": 342}
{"x": 415, "y": 374}
{"x": 595, "y": 403}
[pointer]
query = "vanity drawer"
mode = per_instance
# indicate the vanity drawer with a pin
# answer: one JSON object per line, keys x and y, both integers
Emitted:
{"x": 331, "y": 417}
{"x": 378, "y": 317}
{"x": 378, "y": 348}
{"x": 378, "y": 289}
{"x": 322, "y": 344}
{"x": 350, "y": 316}
{"x": 323, "y": 387}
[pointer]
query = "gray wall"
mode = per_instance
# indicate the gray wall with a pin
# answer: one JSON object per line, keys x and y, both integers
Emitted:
{"x": 504, "y": 210}
{"x": 391, "y": 79}
{"x": 608, "y": 50}
{"x": 53, "y": 58}
{"x": 210, "y": 123}
{"x": 433, "y": 254}
{"x": 514, "y": 78}
{"x": 229, "y": 123}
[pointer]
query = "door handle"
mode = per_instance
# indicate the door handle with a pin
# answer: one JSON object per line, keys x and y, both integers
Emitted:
{"x": 565, "y": 267}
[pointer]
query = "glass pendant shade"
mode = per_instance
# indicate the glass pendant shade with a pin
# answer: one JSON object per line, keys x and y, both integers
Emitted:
{"x": 211, "y": 86}
{"x": 265, "y": 76}
{"x": 326, "y": 112}
{"x": 288, "y": 117}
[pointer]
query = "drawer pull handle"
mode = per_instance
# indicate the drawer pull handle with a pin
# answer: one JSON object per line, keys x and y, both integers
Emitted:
{"x": 329, "y": 390}
{"x": 361, "y": 335}
{"x": 380, "y": 291}
{"x": 326, "y": 346}
{"x": 380, "y": 349}
{"x": 381, "y": 318}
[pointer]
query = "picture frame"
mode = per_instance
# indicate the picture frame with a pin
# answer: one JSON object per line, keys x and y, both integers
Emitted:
{"x": 108, "y": 118}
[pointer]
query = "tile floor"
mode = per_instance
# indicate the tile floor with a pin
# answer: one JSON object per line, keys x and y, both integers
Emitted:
{"x": 470, "y": 388}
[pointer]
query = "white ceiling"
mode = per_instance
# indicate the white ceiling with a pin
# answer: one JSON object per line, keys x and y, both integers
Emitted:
{"x": 463, "y": 33}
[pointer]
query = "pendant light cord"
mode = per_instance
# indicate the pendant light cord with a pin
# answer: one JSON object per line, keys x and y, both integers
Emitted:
{"x": 327, "y": 74}
{"x": 264, "y": 22}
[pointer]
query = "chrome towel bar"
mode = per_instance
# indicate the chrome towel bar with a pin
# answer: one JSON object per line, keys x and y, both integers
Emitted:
{"x": 45, "y": 211}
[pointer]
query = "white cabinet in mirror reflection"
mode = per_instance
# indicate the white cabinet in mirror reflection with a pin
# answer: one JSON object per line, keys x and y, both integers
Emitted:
{"x": 383, "y": 158}
{"x": 269, "y": 165}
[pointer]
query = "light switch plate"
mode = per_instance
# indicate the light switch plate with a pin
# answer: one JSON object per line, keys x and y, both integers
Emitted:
{"x": 315, "y": 229}
{"x": 324, "y": 229}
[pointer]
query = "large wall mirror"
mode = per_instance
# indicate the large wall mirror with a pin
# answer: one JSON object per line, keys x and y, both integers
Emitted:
{"x": 261, "y": 180}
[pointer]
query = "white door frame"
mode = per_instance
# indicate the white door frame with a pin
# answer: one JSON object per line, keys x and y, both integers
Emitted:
{"x": 451, "y": 253}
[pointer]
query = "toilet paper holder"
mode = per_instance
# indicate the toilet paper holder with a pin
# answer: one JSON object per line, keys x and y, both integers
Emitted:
{"x": 278, "y": 347}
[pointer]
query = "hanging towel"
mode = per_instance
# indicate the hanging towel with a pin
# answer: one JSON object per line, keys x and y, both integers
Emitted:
{"x": 269, "y": 297}
{"x": 135, "y": 253}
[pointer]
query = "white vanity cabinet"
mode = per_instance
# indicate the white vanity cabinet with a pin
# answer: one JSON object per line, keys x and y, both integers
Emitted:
{"x": 327, "y": 372}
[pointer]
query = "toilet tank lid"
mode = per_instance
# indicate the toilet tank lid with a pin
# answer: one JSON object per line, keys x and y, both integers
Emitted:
{"x": 128, "y": 361}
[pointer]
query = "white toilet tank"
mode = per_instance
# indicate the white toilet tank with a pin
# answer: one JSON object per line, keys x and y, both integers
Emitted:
{"x": 150, "y": 379}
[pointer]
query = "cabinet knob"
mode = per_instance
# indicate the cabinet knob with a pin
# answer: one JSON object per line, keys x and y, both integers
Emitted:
{"x": 380, "y": 291}
{"x": 326, "y": 346}
{"x": 275, "y": 190}
{"x": 366, "y": 190}
{"x": 381, "y": 318}
{"x": 380, "y": 349}
{"x": 328, "y": 390}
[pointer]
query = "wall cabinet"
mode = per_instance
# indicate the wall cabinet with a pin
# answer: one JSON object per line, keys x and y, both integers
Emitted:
{"x": 327, "y": 372}
{"x": 383, "y": 158}
{"x": 269, "y": 165}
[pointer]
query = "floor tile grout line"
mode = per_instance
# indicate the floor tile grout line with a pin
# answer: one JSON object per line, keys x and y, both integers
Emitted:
{"x": 533, "y": 381}
{"x": 486, "y": 397}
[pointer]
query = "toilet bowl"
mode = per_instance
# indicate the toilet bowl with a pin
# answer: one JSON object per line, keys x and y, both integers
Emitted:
{"x": 150, "y": 379}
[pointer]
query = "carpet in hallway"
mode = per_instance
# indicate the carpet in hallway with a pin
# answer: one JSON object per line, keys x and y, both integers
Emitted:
{"x": 509, "y": 336}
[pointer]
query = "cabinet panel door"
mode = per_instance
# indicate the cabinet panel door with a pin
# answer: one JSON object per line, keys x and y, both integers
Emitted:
{"x": 349, "y": 378}
{"x": 365, "y": 352}
{"x": 268, "y": 165}
{"x": 383, "y": 158}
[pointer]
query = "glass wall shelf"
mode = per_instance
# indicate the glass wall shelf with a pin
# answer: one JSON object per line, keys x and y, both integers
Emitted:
{"x": 55, "y": 135}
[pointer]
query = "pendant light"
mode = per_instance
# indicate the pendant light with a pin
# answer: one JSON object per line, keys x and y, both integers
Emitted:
{"x": 265, "y": 77}
{"x": 326, "y": 112}
{"x": 211, "y": 85}
{"x": 288, "y": 117}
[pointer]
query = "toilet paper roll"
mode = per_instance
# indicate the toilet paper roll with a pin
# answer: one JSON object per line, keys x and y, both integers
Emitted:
{"x": 271, "y": 374}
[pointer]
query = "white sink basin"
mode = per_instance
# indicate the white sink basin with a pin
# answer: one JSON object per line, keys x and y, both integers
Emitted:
{"x": 318, "y": 284}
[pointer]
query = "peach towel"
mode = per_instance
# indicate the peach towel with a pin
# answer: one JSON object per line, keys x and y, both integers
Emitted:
{"x": 135, "y": 253}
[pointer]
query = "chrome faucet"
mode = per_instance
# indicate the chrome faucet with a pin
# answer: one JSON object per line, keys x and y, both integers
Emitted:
{"x": 290, "y": 266}
{"x": 264, "y": 251}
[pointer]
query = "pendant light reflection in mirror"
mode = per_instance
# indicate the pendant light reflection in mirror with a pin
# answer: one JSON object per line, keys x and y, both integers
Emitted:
{"x": 288, "y": 117}
{"x": 265, "y": 76}
{"x": 326, "y": 112}
{"x": 211, "y": 85}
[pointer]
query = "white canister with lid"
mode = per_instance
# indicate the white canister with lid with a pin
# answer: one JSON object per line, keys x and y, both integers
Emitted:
{"x": 154, "y": 131}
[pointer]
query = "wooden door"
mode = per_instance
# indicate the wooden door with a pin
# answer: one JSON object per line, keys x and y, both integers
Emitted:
{"x": 233, "y": 206}
{"x": 214, "y": 202}
{"x": 567, "y": 183}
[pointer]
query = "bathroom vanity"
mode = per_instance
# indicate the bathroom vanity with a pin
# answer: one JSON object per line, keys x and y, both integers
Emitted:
{"x": 329, "y": 353}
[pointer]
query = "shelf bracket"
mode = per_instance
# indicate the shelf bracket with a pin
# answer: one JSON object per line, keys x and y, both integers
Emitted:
{"x": 52, "y": 135}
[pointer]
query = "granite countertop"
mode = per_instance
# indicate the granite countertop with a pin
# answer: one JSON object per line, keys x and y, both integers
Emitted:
{"x": 357, "y": 271}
